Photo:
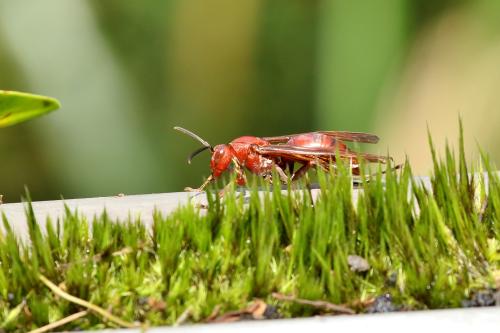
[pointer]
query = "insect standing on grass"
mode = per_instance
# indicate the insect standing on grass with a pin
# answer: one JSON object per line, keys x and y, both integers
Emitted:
{"x": 263, "y": 155}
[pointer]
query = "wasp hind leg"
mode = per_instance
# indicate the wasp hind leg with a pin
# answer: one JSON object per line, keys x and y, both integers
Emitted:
{"x": 302, "y": 171}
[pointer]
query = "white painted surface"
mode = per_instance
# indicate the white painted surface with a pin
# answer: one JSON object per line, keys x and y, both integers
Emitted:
{"x": 453, "y": 321}
{"x": 118, "y": 208}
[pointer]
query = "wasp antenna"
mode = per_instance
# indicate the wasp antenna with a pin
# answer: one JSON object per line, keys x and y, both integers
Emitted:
{"x": 194, "y": 136}
{"x": 196, "y": 152}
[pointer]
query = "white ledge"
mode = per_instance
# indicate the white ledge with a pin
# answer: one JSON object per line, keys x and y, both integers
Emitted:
{"x": 118, "y": 208}
{"x": 453, "y": 320}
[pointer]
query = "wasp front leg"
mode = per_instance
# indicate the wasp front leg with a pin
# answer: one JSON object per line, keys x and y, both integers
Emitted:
{"x": 200, "y": 189}
{"x": 241, "y": 178}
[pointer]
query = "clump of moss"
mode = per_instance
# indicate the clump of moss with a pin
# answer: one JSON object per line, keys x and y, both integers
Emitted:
{"x": 427, "y": 248}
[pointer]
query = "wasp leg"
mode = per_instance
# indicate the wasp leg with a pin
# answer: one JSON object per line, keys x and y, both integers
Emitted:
{"x": 383, "y": 172}
{"x": 302, "y": 171}
{"x": 241, "y": 178}
{"x": 290, "y": 167}
{"x": 283, "y": 177}
{"x": 200, "y": 189}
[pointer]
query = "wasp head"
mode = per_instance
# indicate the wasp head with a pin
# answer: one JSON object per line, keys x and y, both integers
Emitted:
{"x": 221, "y": 159}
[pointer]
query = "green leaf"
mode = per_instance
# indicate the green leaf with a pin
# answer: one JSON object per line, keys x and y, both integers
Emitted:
{"x": 16, "y": 107}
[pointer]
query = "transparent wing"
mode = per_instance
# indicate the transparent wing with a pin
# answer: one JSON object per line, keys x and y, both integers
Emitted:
{"x": 341, "y": 135}
{"x": 300, "y": 154}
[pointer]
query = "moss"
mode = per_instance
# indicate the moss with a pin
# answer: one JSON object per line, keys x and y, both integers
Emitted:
{"x": 427, "y": 248}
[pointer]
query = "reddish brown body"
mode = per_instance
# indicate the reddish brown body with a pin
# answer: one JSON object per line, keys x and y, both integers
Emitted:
{"x": 263, "y": 155}
{"x": 320, "y": 142}
{"x": 242, "y": 152}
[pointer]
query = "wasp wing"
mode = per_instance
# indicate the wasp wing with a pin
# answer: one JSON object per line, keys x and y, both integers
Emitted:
{"x": 352, "y": 136}
{"x": 341, "y": 135}
{"x": 300, "y": 154}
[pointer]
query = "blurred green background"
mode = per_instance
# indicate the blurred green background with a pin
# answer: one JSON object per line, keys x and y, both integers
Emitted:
{"x": 126, "y": 72}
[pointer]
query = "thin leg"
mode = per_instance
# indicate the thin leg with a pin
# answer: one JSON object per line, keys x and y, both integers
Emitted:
{"x": 200, "y": 189}
{"x": 241, "y": 178}
{"x": 283, "y": 177}
{"x": 302, "y": 171}
{"x": 394, "y": 168}
{"x": 290, "y": 167}
{"x": 224, "y": 190}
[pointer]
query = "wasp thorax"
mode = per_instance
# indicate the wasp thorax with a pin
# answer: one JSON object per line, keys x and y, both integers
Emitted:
{"x": 221, "y": 158}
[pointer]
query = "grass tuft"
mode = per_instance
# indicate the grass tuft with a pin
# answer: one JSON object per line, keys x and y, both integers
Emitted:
{"x": 427, "y": 247}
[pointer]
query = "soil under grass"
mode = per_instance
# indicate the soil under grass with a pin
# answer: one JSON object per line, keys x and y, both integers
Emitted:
{"x": 401, "y": 246}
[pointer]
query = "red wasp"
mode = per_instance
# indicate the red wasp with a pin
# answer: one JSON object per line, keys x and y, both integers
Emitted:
{"x": 261, "y": 155}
